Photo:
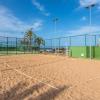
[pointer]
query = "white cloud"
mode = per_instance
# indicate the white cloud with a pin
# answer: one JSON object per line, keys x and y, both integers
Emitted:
{"x": 85, "y": 30}
{"x": 10, "y": 23}
{"x": 84, "y": 3}
{"x": 40, "y": 7}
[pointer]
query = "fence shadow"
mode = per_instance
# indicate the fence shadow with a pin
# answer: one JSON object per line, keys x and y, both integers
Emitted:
{"x": 15, "y": 94}
{"x": 50, "y": 94}
{"x": 18, "y": 92}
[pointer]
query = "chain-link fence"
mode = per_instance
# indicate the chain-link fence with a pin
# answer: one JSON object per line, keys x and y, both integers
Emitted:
{"x": 13, "y": 45}
{"x": 61, "y": 45}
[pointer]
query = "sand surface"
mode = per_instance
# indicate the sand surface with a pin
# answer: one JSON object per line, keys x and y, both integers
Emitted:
{"x": 48, "y": 77}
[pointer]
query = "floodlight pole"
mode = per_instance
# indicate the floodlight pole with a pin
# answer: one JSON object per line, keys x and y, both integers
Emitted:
{"x": 55, "y": 22}
{"x": 90, "y": 24}
{"x": 90, "y": 9}
{"x": 55, "y": 27}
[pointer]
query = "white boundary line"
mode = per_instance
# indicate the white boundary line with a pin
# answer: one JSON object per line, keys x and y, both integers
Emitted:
{"x": 45, "y": 82}
{"x": 91, "y": 79}
{"x": 32, "y": 77}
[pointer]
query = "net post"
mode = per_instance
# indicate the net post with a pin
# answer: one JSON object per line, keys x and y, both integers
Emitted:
{"x": 69, "y": 49}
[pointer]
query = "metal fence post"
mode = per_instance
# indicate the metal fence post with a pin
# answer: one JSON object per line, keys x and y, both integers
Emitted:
{"x": 69, "y": 41}
{"x": 16, "y": 46}
{"x": 24, "y": 48}
{"x": 59, "y": 45}
{"x": 69, "y": 49}
{"x": 85, "y": 39}
{"x": 95, "y": 40}
{"x": 44, "y": 46}
{"x": 51, "y": 44}
{"x": 7, "y": 45}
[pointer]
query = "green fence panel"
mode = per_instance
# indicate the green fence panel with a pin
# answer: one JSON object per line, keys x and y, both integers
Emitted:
{"x": 92, "y": 48}
{"x": 84, "y": 52}
{"x": 78, "y": 51}
{"x": 97, "y": 52}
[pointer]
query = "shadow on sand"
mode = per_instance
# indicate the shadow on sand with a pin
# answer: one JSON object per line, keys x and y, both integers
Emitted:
{"x": 19, "y": 92}
{"x": 51, "y": 94}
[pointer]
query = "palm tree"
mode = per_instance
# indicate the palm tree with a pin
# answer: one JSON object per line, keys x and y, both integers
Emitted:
{"x": 39, "y": 41}
{"x": 27, "y": 41}
{"x": 30, "y": 35}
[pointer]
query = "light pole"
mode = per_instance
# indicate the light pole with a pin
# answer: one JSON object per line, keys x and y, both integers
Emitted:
{"x": 90, "y": 9}
{"x": 89, "y": 6}
{"x": 90, "y": 24}
{"x": 55, "y": 20}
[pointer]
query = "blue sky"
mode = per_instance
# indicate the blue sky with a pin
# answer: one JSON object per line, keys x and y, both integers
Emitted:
{"x": 17, "y": 16}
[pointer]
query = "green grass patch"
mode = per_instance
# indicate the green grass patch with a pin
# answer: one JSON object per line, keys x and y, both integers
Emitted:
{"x": 17, "y": 52}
